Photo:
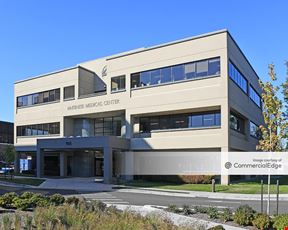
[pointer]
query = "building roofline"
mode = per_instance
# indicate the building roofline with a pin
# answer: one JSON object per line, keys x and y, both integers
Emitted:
{"x": 167, "y": 44}
{"x": 6, "y": 122}
{"x": 242, "y": 53}
{"x": 54, "y": 72}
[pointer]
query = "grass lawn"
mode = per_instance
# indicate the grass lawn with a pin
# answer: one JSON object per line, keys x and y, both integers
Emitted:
{"x": 249, "y": 187}
{"x": 26, "y": 181}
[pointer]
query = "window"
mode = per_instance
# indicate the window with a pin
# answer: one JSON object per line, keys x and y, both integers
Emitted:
{"x": 192, "y": 70}
{"x": 39, "y": 129}
{"x": 254, "y": 130}
{"x": 69, "y": 92}
{"x": 202, "y": 68}
{"x": 155, "y": 77}
{"x": 38, "y": 98}
{"x": 179, "y": 121}
{"x": 238, "y": 78}
{"x": 237, "y": 123}
{"x": 254, "y": 96}
{"x": 118, "y": 83}
{"x": 178, "y": 72}
{"x": 166, "y": 75}
{"x": 108, "y": 126}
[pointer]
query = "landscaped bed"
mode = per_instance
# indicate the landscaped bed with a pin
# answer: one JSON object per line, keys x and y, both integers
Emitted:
{"x": 34, "y": 211}
{"x": 24, "y": 181}
{"x": 244, "y": 216}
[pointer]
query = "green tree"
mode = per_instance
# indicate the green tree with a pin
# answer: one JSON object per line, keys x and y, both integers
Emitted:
{"x": 9, "y": 154}
{"x": 274, "y": 129}
{"x": 285, "y": 95}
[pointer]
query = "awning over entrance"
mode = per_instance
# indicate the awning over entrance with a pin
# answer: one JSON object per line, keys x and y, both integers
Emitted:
{"x": 106, "y": 143}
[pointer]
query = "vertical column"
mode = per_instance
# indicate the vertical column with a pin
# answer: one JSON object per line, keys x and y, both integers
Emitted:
{"x": 129, "y": 166}
{"x": 40, "y": 162}
{"x": 17, "y": 163}
{"x": 108, "y": 164}
{"x": 225, "y": 179}
{"x": 63, "y": 164}
{"x": 123, "y": 126}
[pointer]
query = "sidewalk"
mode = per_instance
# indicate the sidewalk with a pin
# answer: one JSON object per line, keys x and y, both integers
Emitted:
{"x": 76, "y": 183}
{"x": 195, "y": 194}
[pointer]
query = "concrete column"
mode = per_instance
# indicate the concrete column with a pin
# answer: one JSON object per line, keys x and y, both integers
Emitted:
{"x": 108, "y": 164}
{"x": 63, "y": 164}
{"x": 40, "y": 162}
{"x": 225, "y": 179}
{"x": 123, "y": 126}
{"x": 128, "y": 124}
{"x": 129, "y": 166}
{"x": 17, "y": 163}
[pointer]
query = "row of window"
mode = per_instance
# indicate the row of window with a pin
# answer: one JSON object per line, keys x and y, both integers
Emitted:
{"x": 180, "y": 121}
{"x": 192, "y": 70}
{"x": 45, "y": 96}
{"x": 238, "y": 123}
{"x": 6, "y": 132}
{"x": 38, "y": 129}
{"x": 242, "y": 82}
{"x": 39, "y": 98}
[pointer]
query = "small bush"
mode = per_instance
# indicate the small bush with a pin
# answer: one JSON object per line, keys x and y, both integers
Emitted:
{"x": 22, "y": 204}
{"x": 280, "y": 222}
{"x": 261, "y": 221}
{"x": 217, "y": 227}
{"x": 244, "y": 215}
{"x": 201, "y": 209}
{"x": 226, "y": 215}
{"x": 72, "y": 201}
{"x": 212, "y": 213}
{"x": 173, "y": 208}
{"x": 26, "y": 195}
{"x": 56, "y": 199}
{"x": 196, "y": 179}
{"x": 186, "y": 210}
{"x": 38, "y": 200}
{"x": 6, "y": 200}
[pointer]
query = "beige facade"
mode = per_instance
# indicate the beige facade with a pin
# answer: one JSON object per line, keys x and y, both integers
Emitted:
{"x": 94, "y": 98}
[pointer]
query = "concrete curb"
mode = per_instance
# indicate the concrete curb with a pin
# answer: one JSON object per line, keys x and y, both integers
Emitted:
{"x": 195, "y": 194}
{"x": 177, "y": 219}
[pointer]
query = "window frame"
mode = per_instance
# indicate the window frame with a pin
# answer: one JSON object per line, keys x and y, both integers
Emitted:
{"x": 120, "y": 77}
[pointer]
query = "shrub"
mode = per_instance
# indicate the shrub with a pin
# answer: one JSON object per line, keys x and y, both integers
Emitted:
{"x": 26, "y": 195}
{"x": 226, "y": 215}
{"x": 201, "y": 209}
{"x": 173, "y": 208}
{"x": 280, "y": 222}
{"x": 56, "y": 199}
{"x": 6, "y": 200}
{"x": 217, "y": 227}
{"x": 196, "y": 179}
{"x": 38, "y": 200}
{"x": 186, "y": 210}
{"x": 212, "y": 213}
{"x": 261, "y": 221}
{"x": 72, "y": 200}
{"x": 22, "y": 204}
{"x": 244, "y": 215}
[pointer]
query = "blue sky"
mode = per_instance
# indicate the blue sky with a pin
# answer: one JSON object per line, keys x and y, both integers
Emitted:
{"x": 42, "y": 36}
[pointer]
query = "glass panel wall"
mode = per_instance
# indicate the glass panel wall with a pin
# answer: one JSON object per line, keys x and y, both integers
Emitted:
{"x": 38, "y": 98}
{"x": 107, "y": 126}
{"x": 180, "y": 121}
{"x": 193, "y": 70}
{"x": 38, "y": 129}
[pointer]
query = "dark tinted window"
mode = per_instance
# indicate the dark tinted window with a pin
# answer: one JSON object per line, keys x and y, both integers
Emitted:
{"x": 39, "y": 129}
{"x": 118, "y": 83}
{"x": 69, "y": 92}
{"x": 237, "y": 77}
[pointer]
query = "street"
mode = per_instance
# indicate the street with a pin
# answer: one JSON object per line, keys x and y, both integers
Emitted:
{"x": 132, "y": 198}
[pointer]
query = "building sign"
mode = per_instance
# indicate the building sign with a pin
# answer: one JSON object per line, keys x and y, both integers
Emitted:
{"x": 94, "y": 104}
